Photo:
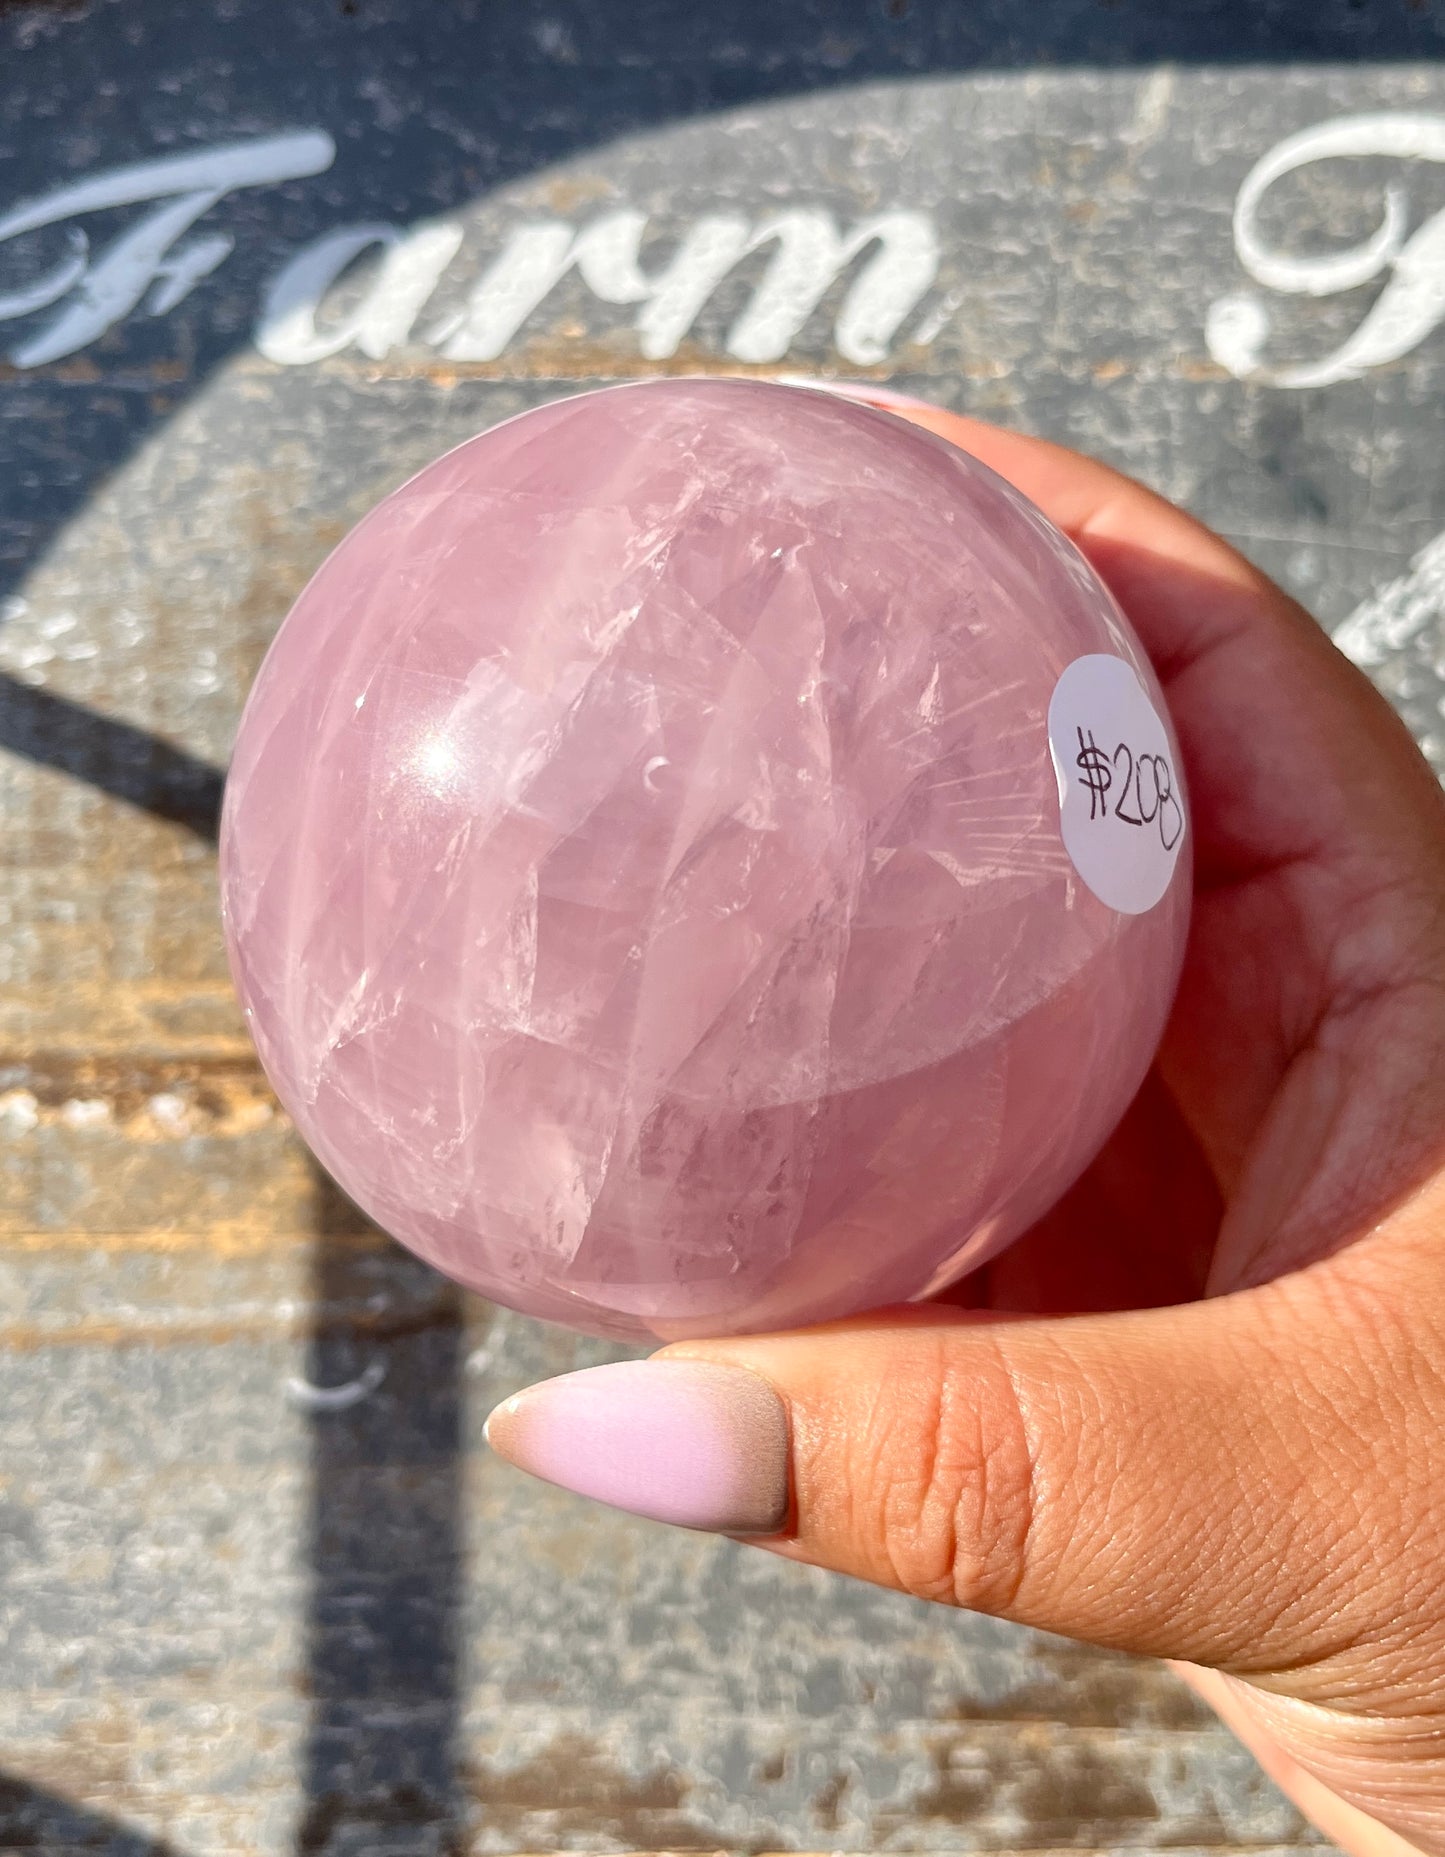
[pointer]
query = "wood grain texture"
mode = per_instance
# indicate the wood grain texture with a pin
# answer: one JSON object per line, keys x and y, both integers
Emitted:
{"x": 240, "y": 1616}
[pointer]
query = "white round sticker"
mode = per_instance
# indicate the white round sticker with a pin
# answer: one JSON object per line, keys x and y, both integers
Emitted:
{"x": 1121, "y": 805}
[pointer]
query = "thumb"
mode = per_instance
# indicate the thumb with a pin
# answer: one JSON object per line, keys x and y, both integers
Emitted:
{"x": 1193, "y": 1482}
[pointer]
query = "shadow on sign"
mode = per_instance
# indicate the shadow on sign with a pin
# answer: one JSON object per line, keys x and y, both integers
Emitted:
{"x": 32, "y": 1819}
{"x": 385, "y": 1540}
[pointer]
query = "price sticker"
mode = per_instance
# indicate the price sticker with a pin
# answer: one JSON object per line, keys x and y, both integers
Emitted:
{"x": 1121, "y": 803}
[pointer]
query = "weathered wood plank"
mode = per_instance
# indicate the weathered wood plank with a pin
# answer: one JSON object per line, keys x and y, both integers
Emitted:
{"x": 239, "y": 1618}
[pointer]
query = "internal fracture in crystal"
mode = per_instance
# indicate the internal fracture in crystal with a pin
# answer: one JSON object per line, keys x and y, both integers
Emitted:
{"x": 642, "y": 864}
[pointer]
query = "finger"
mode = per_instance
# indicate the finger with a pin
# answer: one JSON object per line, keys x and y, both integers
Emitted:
{"x": 1193, "y": 1482}
{"x": 1198, "y": 1483}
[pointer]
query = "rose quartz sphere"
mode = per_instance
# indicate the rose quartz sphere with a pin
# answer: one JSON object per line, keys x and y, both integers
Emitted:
{"x": 642, "y": 864}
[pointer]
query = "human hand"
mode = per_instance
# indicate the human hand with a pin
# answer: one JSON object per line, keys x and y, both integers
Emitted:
{"x": 1199, "y": 1411}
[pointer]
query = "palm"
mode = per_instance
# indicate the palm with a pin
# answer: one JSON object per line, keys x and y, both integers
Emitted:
{"x": 1209, "y": 1184}
{"x": 1296, "y": 1113}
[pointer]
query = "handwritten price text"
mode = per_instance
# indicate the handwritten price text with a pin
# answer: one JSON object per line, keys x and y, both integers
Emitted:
{"x": 1143, "y": 794}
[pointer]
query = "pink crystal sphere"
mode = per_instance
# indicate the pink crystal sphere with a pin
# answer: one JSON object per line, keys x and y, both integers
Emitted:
{"x": 643, "y": 873}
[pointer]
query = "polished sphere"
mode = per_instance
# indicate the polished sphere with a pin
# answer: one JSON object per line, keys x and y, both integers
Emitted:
{"x": 705, "y": 856}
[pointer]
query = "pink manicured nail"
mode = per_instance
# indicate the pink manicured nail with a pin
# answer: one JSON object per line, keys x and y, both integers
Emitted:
{"x": 694, "y": 1443}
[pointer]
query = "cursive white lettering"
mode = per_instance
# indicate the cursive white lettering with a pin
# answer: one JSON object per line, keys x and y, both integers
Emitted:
{"x": 1411, "y": 305}
{"x": 101, "y": 291}
{"x": 289, "y": 332}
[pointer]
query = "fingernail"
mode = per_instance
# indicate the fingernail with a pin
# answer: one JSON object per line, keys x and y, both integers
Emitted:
{"x": 694, "y": 1443}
